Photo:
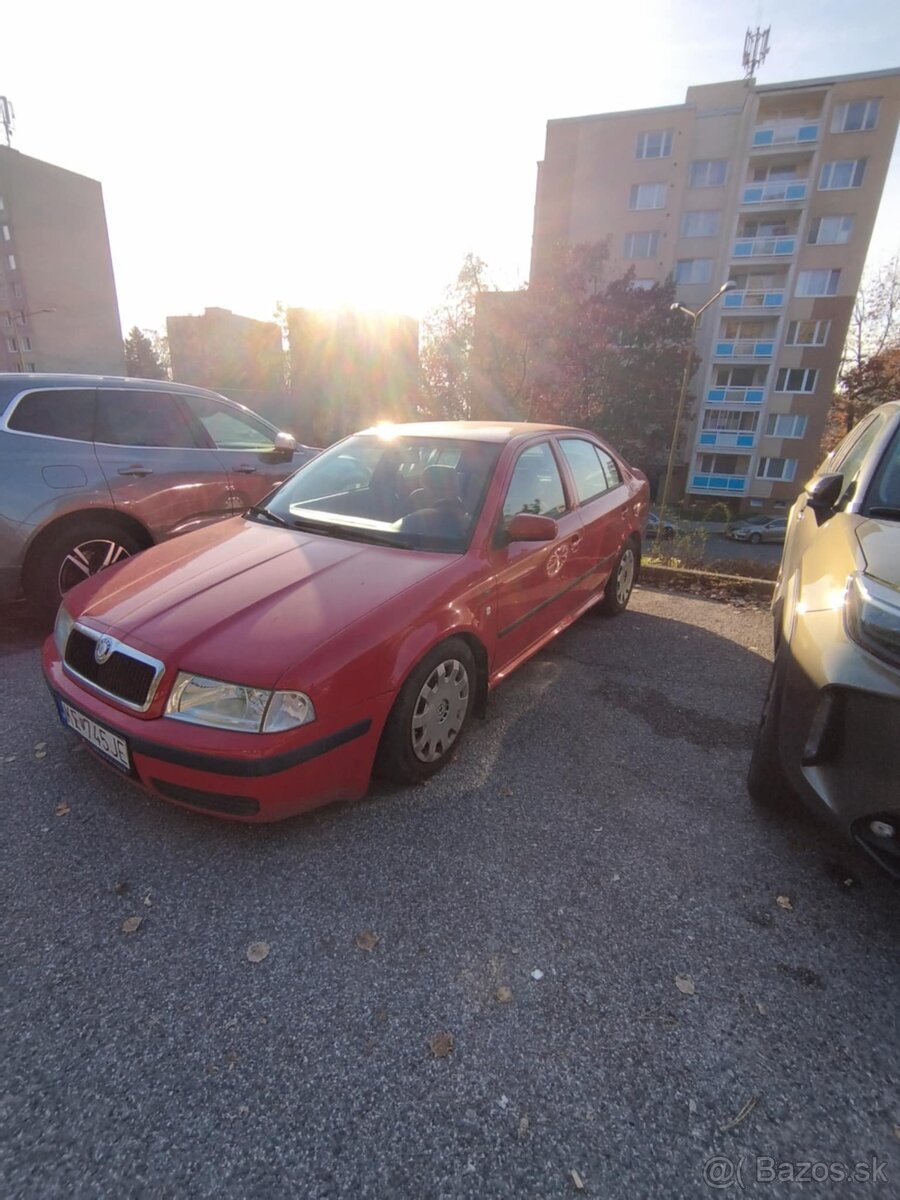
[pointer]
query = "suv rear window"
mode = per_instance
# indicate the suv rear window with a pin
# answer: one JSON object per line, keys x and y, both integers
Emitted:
{"x": 141, "y": 418}
{"x": 60, "y": 413}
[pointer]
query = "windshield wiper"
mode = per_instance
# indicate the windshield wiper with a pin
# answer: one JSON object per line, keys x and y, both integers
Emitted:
{"x": 331, "y": 529}
{"x": 883, "y": 510}
{"x": 260, "y": 510}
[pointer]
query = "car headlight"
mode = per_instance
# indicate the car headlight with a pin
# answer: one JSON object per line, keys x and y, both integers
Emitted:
{"x": 873, "y": 617}
{"x": 203, "y": 701}
{"x": 62, "y": 628}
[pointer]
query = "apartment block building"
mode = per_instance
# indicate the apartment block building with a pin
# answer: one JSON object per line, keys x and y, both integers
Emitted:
{"x": 58, "y": 305}
{"x": 224, "y": 351}
{"x": 773, "y": 186}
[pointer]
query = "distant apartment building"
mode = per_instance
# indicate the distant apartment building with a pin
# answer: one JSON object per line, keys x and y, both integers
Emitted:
{"x": 350, "y": 369}
{"x": 226, "y": 352}
{"x": 774, "y": 186}
{"x": 58, "y": 307}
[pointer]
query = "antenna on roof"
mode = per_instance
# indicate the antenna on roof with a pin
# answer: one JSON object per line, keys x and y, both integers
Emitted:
{"x": 756, "y": 47}
{"x": 8, "y": 117}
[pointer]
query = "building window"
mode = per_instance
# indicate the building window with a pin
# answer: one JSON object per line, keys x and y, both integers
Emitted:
{"x": 701, "y": 224}
{"x": 724, "y": 464}
{"x": 796, "y": 379}
{"x": 693, "y": 270}
{"x": 830, "y": 231}
{"x": 740, "y": 377}
{"x": 17, "y": 291}
{"x": 854, "y": 116}
{"x": 11, "y": 345}
{"x": 26, "y": 343}
{"x": 7, "y": 320}
{"x": 723, "y": 420}
{"x": 777, "y": 468}
{"x": 807, "y": 333}
{"x": 647, "y": 195}
{"x": 845, "y": 173}
{"x": 643, "y": 285}
{"x": 818, "y": 283}
{"x": 11, "y": 260}
{"x": 6, "y": 234}
{"x": 32, "y": 367}
{"x": 708, "y": 172}
{"x": 655, "y": 144}
{"x": 785, "y": 425}
{"x": 2, "y": 204}
{"x": 641, "y": 245}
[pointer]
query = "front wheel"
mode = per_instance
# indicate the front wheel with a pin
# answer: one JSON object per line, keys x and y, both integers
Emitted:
{"x": 429, "y": 715}
{"x": 619, "y": 586}
{"x": 755, "y": 539}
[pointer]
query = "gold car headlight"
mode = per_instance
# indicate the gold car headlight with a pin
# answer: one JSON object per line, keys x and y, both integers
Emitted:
{"x": 873, "y": 617}
{"x": 204, "y": 701}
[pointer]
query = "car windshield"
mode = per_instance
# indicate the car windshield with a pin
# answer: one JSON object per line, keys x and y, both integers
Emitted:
{"x": 414, "y": 493}
{"x": 755, "y": 520}
{"x": 883, "y": 496}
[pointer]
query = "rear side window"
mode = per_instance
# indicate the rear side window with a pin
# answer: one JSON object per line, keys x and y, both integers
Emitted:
{"x": 613, "y": 474}
{"x": 58, "y": 413}
{"x": 587, "y": 469}
{"x": 229, "y": 428}
{"x": 141, "y": 418}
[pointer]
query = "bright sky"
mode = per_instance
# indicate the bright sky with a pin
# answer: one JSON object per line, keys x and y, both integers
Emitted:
{"x": 322, "y": 154}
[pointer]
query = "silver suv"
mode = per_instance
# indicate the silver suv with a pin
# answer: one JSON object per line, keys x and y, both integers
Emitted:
{"x": 832, "y": 715}
{"x": 95, "y": 468}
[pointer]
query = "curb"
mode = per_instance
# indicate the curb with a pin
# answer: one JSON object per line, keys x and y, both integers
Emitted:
{"x": 707, "y": 583}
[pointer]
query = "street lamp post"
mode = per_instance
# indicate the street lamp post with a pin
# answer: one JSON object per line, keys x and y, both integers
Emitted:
{"x": 685, "y": 378}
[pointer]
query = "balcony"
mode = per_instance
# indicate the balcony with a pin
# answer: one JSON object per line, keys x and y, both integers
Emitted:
{"x": 775, "y": 192}
{"x": 730, "y": 484}
{"x": 765, "y": 247}
{"x": 735, "y": 395}
{"x": 785, "y": 133}
{"x": 754, "y": 299}
{"x": 744, "y": 348}
{"x": 728, "y": 439}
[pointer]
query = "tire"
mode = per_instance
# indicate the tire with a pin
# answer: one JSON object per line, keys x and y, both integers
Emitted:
{"x": 754, "y": 539}
{"x": 766, "y": 780}
{"x": 70, "y": 554}
{"x": 621, "y": 581}
{"x": 417, "y": 740}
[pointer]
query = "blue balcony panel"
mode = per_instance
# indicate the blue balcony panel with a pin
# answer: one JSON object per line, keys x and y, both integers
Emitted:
{"x": 744, "y": 439}
{"x": 754, "y": 395}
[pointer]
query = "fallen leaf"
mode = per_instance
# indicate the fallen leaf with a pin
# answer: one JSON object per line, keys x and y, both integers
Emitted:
{"x": 441, "y": 1045}
{"x": 131, "y": 924}
{"x": 121, "y": 888}
{"x": 62, "y": 809}
{"x": 761, "y": 1008}
{"x": 257, "y": 951}
{"x": 147, "y": 900}
{"x": 692, "y": 1106}
{"x": 40, "y": 754}
{"x": 537, "y": 973}
{"x": 577, "y": 1180}
{"x": 504, "y": 1101}
{"x": 523, "y": 1127}
{"x": 616, "y": 878}
{"x": 742, "y": 1115}
{"x": 367, "y": 940}
{"x": 40, "y": 745}
{"x": 11, "y": 758}
{"x": 784, "y": 902}
{"x": 243, "y": 1110}
{"x": 685, "y": 984}
{"x": 503, "y": 994}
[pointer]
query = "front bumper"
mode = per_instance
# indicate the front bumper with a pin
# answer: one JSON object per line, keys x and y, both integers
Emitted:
{"x": 245, "y": 777}
{"x": 838, "y": 727}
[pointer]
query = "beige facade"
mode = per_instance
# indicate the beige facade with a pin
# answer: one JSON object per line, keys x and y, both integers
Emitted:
{"x": 226, "y": 352}
{"x": 774, "y": 186}
{"x": 58, "y": 306}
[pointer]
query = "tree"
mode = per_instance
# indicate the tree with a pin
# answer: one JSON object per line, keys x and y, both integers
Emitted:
{"x": 447, "y": 343}
{"x": 146, "y": 356}
{"x": 869, "y": 367}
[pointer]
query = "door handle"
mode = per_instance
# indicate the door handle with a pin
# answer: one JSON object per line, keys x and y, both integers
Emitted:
{"x": 245, "y": 469}
{"x": 575, "y": 541}
{"x": 136, "y": 469}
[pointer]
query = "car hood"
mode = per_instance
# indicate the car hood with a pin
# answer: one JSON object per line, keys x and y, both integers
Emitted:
{"x": 880, "y": 544}
{"x": 242, "y": 599}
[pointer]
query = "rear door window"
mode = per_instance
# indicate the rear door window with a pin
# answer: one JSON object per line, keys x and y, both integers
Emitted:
{"x": 613, "y": 475}
{"x": 587, "y": 469}
{"x": 141, "y": 418}
{"x": 229, "y": 428}
{"x": 58, "y": 412}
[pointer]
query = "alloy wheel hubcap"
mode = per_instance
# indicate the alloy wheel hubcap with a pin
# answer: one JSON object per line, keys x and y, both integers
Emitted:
{"x": 87, "y": 558}
{"x": 440, "y": 711}
{"x": 625, "y": 577}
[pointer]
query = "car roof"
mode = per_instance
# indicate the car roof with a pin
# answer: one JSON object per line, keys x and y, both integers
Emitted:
{"x": 473, "y": 431}
{"x": 20, "y": 380}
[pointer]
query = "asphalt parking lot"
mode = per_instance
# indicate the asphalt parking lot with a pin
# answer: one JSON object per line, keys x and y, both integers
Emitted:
{"x": 584, "y": 900}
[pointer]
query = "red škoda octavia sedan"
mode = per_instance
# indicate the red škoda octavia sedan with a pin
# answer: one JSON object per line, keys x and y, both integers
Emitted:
{"x": 354, "y": 620}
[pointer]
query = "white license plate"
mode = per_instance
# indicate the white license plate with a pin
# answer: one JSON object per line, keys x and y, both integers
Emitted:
{"x": 109, "y": 744}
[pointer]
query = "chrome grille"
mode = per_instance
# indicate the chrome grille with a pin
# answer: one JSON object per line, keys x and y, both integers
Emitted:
{"x": 126, "y": 674}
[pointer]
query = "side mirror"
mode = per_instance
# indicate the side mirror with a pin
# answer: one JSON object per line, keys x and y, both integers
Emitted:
{"x": 286, "y": 442}
{"x": 529, "y": 527}
{"x": 823, "y": 492}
